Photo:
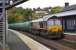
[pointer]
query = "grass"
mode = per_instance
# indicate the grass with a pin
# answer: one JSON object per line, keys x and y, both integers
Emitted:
{"x": 69, "y": 43}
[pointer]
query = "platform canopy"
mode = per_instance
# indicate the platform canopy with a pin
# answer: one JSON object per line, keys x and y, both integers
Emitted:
{"x": 12, "y": 3}
{"x": 61, "y": 14}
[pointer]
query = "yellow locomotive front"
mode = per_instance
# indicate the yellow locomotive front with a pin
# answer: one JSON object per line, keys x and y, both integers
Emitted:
{"x": 54, "y": 26}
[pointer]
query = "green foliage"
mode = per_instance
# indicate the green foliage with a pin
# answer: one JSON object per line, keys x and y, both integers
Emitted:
{"x": 55, "y": 9}
{"x": 35, "y": 15}
{"x": 14, "y": 12}
{"x": 27, "y": 13}
{"x": 11, "y": 16}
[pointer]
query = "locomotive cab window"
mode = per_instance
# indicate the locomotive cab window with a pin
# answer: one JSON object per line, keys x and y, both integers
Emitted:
{"x": 50, "y": 22}
{"x": 54, "y": 22}
{"x": 57, "y": 22}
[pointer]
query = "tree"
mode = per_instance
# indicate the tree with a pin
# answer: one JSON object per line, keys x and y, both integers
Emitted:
{"x": 28, "y": 13}
{"x": 10, "y": 14}
{"x": 18, "y": 14}
{"x": 35, "y": 15}
{"x": 55, "y": 9}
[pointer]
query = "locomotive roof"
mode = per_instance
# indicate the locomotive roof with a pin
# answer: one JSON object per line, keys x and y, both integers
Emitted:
{"x": 37, "y": 20}
{"x": 61, "y": 14}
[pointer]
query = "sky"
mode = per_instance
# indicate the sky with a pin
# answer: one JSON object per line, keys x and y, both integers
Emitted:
{"x": 45, "y": 3}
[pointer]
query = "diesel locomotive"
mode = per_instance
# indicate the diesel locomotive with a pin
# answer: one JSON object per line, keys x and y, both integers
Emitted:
{"x": 52, "y": 28}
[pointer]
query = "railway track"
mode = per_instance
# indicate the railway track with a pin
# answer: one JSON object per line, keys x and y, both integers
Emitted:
{"x": 53, "y": 44}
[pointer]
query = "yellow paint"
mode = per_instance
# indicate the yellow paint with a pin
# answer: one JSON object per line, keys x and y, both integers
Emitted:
{"x": 55, "y": 28}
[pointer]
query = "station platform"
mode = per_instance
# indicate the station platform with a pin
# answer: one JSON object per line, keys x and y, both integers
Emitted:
{"x": 70, "y": 33}
{"x": 70, "y": 36}
{"x": 19, "y": 41}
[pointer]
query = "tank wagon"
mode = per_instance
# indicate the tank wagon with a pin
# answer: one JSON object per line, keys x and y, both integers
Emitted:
{"x": 20, "y": 26}
{"x": 50, "y": 28}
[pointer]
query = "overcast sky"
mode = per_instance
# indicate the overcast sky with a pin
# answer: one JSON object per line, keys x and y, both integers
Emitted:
{"x": 45, "y": 3}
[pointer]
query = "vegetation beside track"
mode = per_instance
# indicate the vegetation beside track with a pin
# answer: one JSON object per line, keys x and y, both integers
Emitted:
{"x": 69, "y": 43}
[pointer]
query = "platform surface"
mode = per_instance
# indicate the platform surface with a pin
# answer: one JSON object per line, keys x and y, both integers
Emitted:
{"x": 15, "y": 43}
{"x": 27, "y": 42}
